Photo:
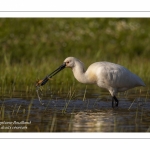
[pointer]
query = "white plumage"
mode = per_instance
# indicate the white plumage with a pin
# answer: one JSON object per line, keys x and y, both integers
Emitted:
{"x": 113, "y": 77}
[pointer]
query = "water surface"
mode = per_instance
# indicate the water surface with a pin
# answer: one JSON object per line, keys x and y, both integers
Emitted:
{"x": 82, "y": 112}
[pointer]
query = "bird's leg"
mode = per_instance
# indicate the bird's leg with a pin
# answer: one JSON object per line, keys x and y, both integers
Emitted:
{"x": 116, "y": 100}
{"x": 112, "y": 102}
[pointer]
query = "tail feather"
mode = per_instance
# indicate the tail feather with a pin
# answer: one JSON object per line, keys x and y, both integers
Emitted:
{"x": 140, "y": 81}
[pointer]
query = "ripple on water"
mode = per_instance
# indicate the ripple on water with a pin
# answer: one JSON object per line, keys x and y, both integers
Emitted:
{"x": 94, "y": 114}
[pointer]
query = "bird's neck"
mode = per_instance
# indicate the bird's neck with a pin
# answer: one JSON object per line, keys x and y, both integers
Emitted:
{"x": 79, "y": 72}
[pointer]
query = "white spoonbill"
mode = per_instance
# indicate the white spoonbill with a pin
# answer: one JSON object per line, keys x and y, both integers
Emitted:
{"x": 113, "y": 77}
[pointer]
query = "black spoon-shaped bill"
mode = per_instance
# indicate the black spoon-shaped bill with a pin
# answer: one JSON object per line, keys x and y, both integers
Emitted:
{"x": 53, "y": 73}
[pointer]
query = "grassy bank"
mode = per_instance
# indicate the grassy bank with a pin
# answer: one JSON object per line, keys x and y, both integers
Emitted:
{"x": 32, "y": 48}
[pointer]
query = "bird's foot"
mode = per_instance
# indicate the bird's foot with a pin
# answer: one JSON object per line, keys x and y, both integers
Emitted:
{"x": 116, "y": 101}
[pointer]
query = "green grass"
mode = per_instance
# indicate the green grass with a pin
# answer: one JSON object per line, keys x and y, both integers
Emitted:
{"x": 31, "y": 48}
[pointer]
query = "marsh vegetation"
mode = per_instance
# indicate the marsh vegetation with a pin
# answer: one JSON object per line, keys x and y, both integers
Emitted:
{"x": 32, "y": 48}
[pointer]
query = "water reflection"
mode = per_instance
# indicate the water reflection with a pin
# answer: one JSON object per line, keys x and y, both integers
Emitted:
{"x": 94, "y": 114}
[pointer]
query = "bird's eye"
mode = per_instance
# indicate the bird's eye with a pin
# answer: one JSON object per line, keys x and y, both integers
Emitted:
{"x": 67, "y": 62}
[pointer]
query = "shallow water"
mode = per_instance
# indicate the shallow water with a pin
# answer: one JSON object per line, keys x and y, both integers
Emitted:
{"x": 84, "y": 113}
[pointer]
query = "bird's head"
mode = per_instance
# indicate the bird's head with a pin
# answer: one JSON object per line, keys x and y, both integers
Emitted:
{"x": 69, "y": 62}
